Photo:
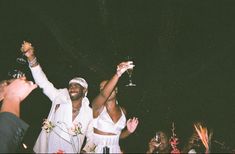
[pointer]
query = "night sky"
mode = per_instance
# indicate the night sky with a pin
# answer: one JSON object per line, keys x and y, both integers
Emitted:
{"x": 183, "y": 51}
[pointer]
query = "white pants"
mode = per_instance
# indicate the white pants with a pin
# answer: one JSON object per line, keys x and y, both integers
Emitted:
{"x": 111, "y": 141}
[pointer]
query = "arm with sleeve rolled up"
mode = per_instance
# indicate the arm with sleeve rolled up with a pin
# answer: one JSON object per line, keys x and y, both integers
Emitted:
{"x": 37, "y": 72}
{"x": 41, "y": 80}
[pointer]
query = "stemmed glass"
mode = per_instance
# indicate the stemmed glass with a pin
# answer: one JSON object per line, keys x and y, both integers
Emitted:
{"x": 130, "y": 72}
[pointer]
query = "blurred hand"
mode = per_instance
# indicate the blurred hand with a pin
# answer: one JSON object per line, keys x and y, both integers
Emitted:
{"x": 153, "y": 145}
{"x": 132, "y": 124}
{"x": 3, "y": 85}
{"x": 122, "y": 67}
{"x": 27, "y": 49}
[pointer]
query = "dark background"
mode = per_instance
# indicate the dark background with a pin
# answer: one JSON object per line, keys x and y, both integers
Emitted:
{"x": 183, "y": 51}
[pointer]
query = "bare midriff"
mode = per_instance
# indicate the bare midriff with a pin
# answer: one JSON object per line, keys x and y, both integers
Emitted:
{"x": 101, "y": 132}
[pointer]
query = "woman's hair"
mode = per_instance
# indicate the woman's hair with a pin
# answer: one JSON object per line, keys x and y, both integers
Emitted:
{"x": 194, "y": 142}
{"x": 165, "y": 145}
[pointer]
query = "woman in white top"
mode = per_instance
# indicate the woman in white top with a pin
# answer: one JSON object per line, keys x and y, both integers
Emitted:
{"x": 109, "y": 117}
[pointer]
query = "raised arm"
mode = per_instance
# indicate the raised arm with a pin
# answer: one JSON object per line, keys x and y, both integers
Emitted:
{"x": 37, "y": 72}
{"x": 102, "y": 97}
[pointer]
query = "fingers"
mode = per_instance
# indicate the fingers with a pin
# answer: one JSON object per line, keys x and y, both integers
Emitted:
{"x": 157, "y": 144}
{"x": 134, "y": 121}
{"x": 3, "y": 83}
{"x": 128, "y": 65}
{"x": 26, "y": 43}
{"x": 154, "y": 143}
{"x": 122, "y": 67}
{"x": 26, "y": 46}
{"x": 132, "y": 124}
{"x": 129, "y": 120}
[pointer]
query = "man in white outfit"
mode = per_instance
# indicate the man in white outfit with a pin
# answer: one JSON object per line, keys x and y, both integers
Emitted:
{"x": 70, "y": 116}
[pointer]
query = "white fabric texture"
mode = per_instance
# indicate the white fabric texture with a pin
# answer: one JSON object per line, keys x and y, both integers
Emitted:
{"x": 59, "y": 139}
{"x": 111, "y": 141}
{"x": 104, "y": 123}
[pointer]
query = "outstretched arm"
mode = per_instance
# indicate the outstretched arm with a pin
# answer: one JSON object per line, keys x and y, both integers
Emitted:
{"x": 37, "y": 72}
{"x": 105, "y": 93}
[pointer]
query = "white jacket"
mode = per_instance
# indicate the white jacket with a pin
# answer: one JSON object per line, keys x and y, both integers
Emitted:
{"x": 62, "y": 117}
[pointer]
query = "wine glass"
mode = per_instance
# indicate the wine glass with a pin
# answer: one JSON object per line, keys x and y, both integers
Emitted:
{"x": 130, "y": 72}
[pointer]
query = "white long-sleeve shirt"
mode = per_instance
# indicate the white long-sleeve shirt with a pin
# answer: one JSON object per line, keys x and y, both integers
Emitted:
{"x": 59, "y": 139}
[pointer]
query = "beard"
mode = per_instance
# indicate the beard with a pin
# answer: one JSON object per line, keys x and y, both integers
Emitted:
{"x": 76, "y": 96}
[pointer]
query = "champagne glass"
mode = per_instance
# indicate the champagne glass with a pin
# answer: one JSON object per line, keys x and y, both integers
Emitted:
{"x": 130, "y": 72}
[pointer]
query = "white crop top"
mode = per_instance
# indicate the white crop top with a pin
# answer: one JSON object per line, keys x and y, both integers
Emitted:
{"x": 104, "y": 123}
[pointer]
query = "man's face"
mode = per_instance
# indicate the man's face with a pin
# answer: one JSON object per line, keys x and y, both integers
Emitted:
{"x": 75, "y": 91}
